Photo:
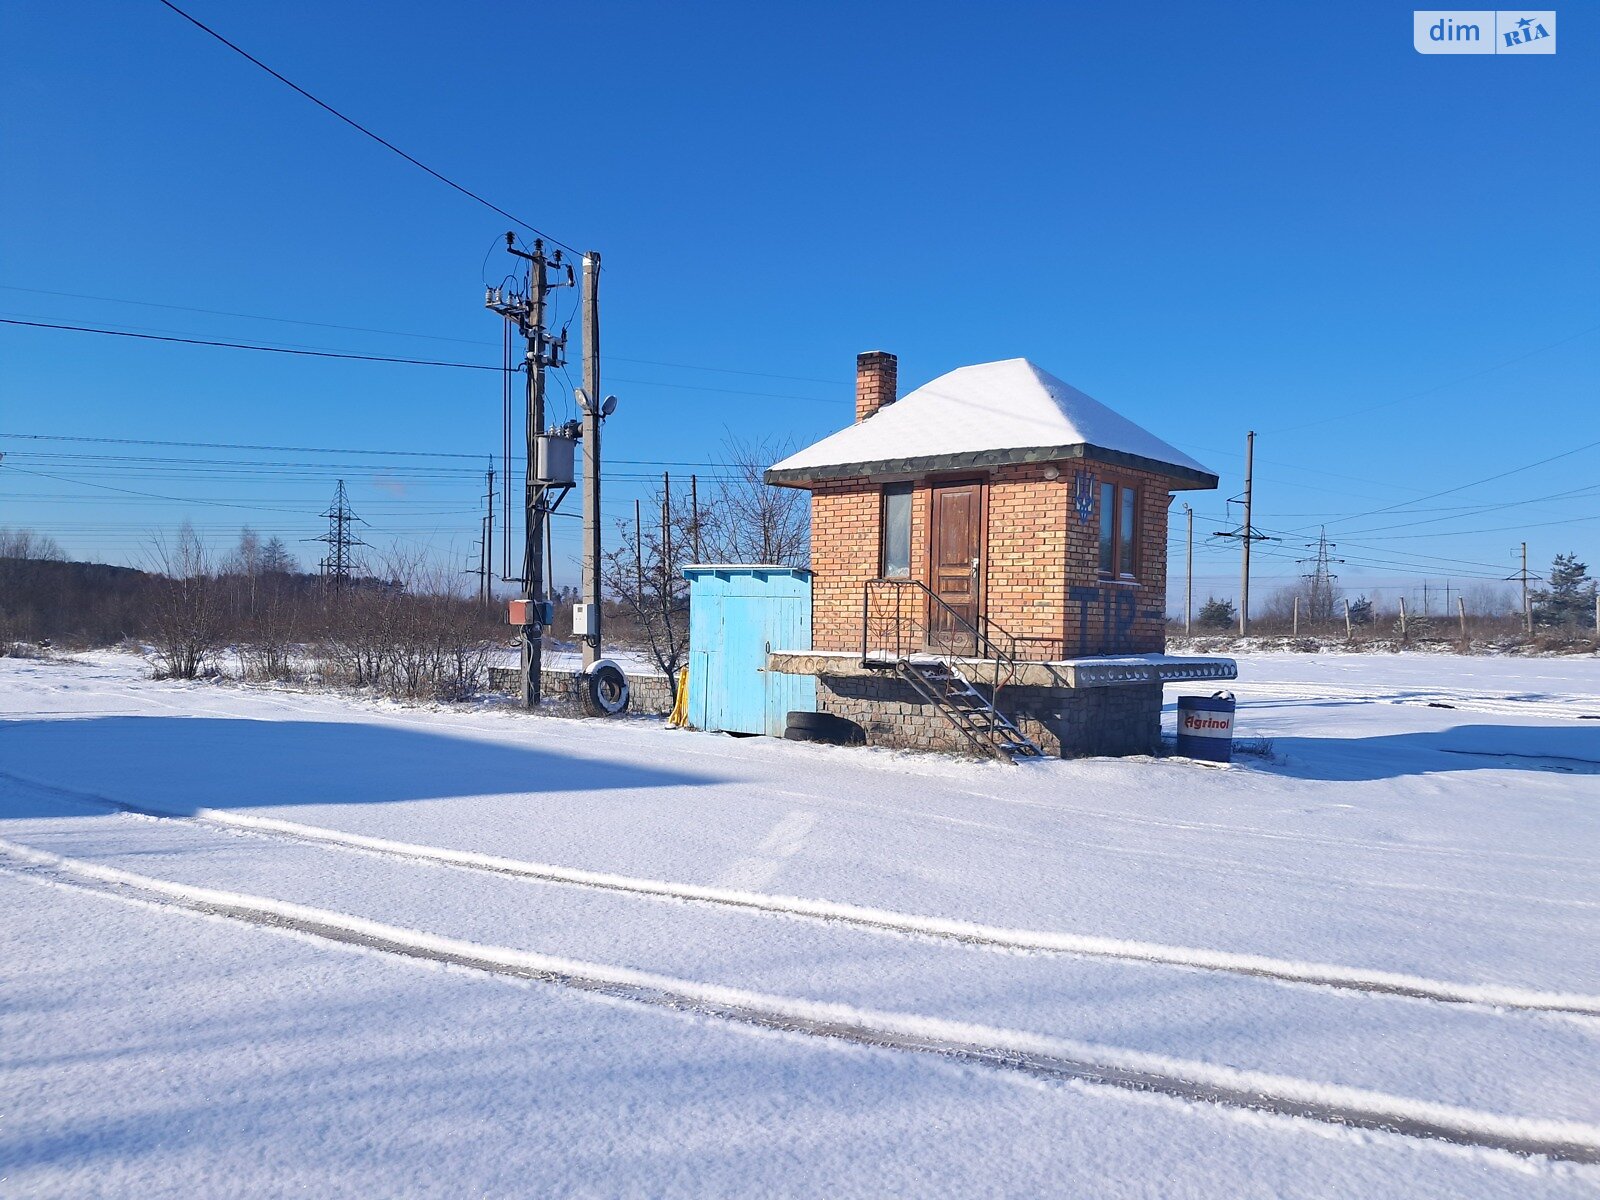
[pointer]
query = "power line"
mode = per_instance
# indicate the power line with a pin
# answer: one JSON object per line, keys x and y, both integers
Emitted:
{"x": 157, "y": 337}
{"x": 360, "y": 128}
{"x": 1463, "y": 511}
{"x": 1346, "y": 414}
{"x": 219, "y": 312}
{"x": 381, "y": 358}
{"x": 434, "y": 337}
{"x": 1475, "y": 483}
{"x": 112, "y": 441}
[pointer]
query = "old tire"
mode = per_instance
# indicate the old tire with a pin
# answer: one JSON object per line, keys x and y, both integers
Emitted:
{"x": 823, "y": 727}
{"x": 603, "y": 690}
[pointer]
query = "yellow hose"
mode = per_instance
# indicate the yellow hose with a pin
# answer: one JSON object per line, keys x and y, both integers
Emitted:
{"x": 679, "y": 717}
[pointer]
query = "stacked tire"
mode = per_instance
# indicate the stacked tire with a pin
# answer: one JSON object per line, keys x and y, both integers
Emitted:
{"x": 826, "y": 728}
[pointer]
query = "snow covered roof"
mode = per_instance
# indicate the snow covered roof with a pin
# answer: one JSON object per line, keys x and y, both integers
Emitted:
{"x": 987, "y": 415}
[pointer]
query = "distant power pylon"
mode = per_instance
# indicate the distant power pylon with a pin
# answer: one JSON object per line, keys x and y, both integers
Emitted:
{"x": 339, "y": 562}
{"x": 1320, "y": 581}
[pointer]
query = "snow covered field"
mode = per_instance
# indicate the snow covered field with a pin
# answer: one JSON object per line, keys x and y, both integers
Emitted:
{"x": 259, "y": 943}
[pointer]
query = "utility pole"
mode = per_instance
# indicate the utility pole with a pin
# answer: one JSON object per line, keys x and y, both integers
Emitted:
{"x": 527, "y": 311}
{"x": 481, "y": 571}
{"x": 488, "y": 544}
{"x": 1188, "y": 573}
{"x": 1527, "y": 603}
{"x": 666, "y": 533}
{"x": 1246, "y": 534}
{"x": 592, "y": 416}
{"x": 1244, "y": 570}
{"x": 694, "y": 514}
{"x": 1424, "y": 597}
{"x": 638, "y": 549}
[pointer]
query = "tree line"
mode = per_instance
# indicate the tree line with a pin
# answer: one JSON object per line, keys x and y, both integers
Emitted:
{"x": 402, "y": 624}
{"x": 1562, "y": 608}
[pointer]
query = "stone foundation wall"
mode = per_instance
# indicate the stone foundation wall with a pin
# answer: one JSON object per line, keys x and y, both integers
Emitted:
{"x": 1069, "y": 722}
{"x": 648, "y": 694}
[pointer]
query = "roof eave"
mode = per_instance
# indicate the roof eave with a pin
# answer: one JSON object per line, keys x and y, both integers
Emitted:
{"x": 1186, "y": 478}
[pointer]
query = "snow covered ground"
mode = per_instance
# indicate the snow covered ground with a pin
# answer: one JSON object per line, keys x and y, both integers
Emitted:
{"x": 260, "y": 943}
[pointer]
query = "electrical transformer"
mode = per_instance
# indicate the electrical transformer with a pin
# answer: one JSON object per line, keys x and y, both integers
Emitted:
{"x": 553, "y": 459}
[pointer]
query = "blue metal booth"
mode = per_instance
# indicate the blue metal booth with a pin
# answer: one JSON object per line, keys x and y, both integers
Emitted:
{"x": 737, "y": 614}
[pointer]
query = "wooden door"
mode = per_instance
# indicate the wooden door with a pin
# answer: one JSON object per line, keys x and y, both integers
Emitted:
{"x": 956, "y": 566}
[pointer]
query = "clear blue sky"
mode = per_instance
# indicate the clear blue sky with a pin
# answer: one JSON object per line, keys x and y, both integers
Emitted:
{"x": 1213, "y": 219}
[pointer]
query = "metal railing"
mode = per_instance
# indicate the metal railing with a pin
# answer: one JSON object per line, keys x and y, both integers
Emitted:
{"x": 896, "y": 626}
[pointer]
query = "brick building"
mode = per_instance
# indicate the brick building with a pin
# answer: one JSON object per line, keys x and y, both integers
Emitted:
{"x": 997, "y": 534}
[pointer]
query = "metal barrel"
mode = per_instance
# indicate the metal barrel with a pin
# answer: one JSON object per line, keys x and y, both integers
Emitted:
{"x": 1205, "y": 727}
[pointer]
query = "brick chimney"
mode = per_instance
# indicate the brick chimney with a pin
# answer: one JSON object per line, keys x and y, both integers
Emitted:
{"x": 877, "y": 377}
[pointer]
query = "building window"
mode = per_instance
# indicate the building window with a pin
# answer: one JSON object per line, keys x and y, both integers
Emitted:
{"x": 1119, "y": 523}
{"x": 895, "y": 551}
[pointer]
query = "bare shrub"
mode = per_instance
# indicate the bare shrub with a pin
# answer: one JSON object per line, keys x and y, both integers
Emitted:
{"x": 410, "y": 632}
{"x": 187, "y": 617}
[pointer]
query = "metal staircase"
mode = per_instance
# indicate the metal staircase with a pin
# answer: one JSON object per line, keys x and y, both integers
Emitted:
{"x": 897, "y": 640}
{"x": 943, "y": 685}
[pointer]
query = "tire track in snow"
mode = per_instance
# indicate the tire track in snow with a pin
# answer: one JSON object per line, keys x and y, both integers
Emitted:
{"x": 880, "y": 920}
{"x": 1042, "y": 1057}
{"x": 1273, "y": 835}
{"x": 1564, "y": 705}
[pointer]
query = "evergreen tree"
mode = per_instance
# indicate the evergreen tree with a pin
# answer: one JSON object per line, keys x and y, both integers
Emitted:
{"x": 1361, "y": 611}
{"x": 1569, "y": 600}
{"x": 1218, "y": 614}
{"x": 276, "y": 559}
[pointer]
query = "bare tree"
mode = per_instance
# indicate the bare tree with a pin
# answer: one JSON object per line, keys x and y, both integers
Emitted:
{"x": 750, "y": 521}
{"x": 187, "y": 618}
{"x": 243, "y": 569}
{"x": 741, "y": 520}
{"x": 25, "y": 543}
{"x": 1488, "y": 600}
{"x": 644, "y": 572}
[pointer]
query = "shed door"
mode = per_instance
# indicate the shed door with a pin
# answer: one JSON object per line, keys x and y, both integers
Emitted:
{"x": 956, "y": 566}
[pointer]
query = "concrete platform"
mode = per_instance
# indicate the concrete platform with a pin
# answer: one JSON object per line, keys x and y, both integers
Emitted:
{"x": 1101, "y": 671}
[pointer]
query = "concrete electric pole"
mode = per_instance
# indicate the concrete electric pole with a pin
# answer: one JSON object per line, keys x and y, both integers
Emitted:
{"x": 527, "y": 310}
{"x": 1188, "y": 573}
{"x": 1246, "y": 534}
{"x": 1244, "y": 571}
{"x": 592, "y": 416}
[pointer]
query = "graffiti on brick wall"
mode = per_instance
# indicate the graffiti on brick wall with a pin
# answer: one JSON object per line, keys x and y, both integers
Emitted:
{"x": 1107, "y": 615}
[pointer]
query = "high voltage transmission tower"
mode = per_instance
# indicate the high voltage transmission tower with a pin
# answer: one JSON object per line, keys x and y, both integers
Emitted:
{"x": 1320, "y": 580}
{"x": 338, "y": 563}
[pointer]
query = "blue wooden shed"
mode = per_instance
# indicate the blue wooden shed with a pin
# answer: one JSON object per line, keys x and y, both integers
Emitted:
{"x": 737, "y": 613}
